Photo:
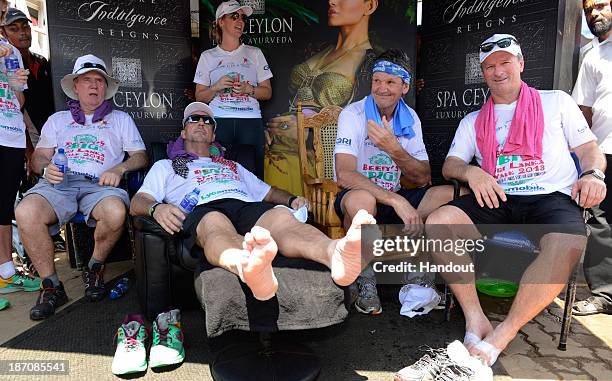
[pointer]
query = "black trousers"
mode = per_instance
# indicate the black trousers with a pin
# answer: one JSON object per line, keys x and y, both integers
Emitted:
{"x": 598, "y": 258}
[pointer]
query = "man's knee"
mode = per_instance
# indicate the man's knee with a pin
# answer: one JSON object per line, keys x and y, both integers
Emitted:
{"x": 357, "y": 199}
{"x": 210, "y": 222}
{"x": 32, "y": 210}
{"x": 111, "y": 210}
{"x": 447, "y": 215}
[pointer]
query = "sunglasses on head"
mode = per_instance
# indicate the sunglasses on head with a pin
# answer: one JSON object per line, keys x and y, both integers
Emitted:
{"x": 90, "y": 65}
{"x": 207, "y": 119}
{"x": 235, "y": 16}
{"x": 503, "y": 43}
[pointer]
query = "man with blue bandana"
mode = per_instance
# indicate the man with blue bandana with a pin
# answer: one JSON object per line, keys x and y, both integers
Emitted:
{"x": 379, "y": 139}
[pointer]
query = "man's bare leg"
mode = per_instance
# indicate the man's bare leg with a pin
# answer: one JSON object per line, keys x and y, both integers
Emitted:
{"x": 295, "y": 239}
{"x": 248, "y": 257}
{"x": 109, "y": 214}
{"x": 34, "y": 215}
{"x": 464, "y": 289}
{"x": 541, "y": 283}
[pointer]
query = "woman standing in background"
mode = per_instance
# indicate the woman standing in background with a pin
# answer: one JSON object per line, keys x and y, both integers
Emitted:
{"x": 233, "y": 77}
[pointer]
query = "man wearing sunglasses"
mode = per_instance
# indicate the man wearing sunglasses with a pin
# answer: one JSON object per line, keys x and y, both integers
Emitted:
{"x": 95, "y": 139}
{"x": 593, "y": 92}
{"x": 236, "y": 221}
{"x": 521, "y": 139}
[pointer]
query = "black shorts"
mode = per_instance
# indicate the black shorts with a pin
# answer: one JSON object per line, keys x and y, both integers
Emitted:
{"x": 545, "y": 209}
{"x": 12, "y": 160}
{"x": 242, "y": 214}
{"x": 384, "y": 213}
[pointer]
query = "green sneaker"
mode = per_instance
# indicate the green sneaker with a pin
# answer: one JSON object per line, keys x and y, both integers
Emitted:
{"x": 19, "y": 282}
{"x": 167, "y": 346}
{"x": 4, "y": 303}
{"x": 131, "y": 354}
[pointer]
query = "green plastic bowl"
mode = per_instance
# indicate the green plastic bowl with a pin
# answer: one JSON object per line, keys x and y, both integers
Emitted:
{"x": 497, "y": 287}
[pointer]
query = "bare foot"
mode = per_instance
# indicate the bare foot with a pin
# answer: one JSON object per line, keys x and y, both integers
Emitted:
{"x": 257, "y": 270}
{"x": 493, "y": 344}
{"x": 346, "y": 256}
{"x": 480, "y": 328}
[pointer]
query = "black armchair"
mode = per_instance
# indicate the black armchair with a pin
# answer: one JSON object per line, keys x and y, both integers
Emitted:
{"x": 307, "y": 298}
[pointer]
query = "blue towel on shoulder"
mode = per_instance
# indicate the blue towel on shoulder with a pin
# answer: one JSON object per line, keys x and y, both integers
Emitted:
{"x": 402, "y": 117}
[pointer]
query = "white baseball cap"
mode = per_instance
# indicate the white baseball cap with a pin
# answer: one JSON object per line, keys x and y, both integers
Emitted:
{"x": 227, "y": 7}
{"x": 509, "y": 42}
{"x": 197, "y": 108}
{"x": 85, "y": 64}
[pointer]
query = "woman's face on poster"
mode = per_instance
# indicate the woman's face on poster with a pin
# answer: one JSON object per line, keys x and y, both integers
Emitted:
{"x": 349, "y": 12}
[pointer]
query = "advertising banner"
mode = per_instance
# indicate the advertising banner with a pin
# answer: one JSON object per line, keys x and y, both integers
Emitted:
{"x": 144, "y": 43}
{"x": 304, "y": 44}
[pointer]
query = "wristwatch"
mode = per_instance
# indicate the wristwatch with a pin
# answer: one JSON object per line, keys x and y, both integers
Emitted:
{"x": 596, "y": 172}
{"x": 152, "y": 208}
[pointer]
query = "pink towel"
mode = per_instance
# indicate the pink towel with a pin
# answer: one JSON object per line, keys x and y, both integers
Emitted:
{"x": 526, "y": 131}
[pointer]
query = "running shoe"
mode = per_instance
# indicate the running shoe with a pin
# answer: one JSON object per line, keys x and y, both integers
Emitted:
{"x": 19, "y": 282}
{"x": 367, "y": 301}
{"x": 131, "y": 353}
{"x": 48, "y": 300}
{"x": 167, "y": 348}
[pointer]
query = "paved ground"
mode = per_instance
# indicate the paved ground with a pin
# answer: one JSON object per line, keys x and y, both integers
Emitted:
{"x": 364, "y": 348}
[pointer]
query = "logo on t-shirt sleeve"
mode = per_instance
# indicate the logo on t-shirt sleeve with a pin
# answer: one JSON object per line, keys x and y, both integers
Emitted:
{"x": 343, "y": 142}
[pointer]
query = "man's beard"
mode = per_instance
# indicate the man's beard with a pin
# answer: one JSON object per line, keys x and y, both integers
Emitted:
{"x": 601, "y": 28}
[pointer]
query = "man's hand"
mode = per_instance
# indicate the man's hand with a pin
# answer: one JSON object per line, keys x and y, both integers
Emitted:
{"x": 112, "y": 177}
{"x": 408, "y": 214}
{"x": 382, "y": 136}
{"x": 592, "y": 191}
{"x": 485, "y": 187}
{"x": 20, "y": 78}
{"x": 5, "y": 50}
{"x": 169, "y": 217}
{"x": 53, "y": 174}
{"x": 299, "y": 202}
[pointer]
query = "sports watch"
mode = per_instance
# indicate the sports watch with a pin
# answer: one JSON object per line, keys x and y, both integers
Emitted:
{"x": 152, "y": 208}
{"x": 596, "y": 172}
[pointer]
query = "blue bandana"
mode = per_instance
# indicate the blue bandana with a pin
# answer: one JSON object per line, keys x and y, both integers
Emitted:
{"x": 393, "y": 69}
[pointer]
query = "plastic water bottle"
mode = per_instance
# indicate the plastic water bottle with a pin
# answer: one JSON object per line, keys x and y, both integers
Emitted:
{"x": 12, "y": 65}
{"x": 61, "y": 162}
{"x": 120, "y": 289}
{"x": 190, "y": 201}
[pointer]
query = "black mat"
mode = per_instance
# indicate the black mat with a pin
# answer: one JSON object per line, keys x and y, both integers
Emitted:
{"x": 83, "y": 334}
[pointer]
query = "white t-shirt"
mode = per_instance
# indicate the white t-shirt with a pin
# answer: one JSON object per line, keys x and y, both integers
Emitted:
{"x": 247, "y": 62}
{"x": 12, "y": 126}
{"x": 564, "y": 126}
{"x": 215, "y": 180}
{"x": 92, "y": 148}
{"x": 594, "y": 89}
{"x": 372, "y": 162}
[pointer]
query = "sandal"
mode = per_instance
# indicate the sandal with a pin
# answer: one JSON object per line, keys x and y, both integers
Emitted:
{"x": 590, "y": 306}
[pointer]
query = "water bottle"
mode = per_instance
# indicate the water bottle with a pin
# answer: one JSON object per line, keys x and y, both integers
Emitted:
{"x": 120, "y": 289}
{"x": 12, "y": 65}
{"x": 61, "y": 162}
{"x": 190, "y": 201}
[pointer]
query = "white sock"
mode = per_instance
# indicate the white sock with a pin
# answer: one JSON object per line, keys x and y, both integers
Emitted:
{"x": 7, "y": 269}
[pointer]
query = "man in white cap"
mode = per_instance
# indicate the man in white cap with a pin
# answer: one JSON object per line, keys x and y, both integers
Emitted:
{"x": 95, "y": 139}
{"x": 521, "y": 139}
{"x": 235, "y": 220}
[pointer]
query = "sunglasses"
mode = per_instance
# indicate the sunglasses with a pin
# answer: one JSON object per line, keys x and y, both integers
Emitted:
{"x": 91, "y": 65}
{"x": 205, "y": 118}
{"x": 503, "y": 43}
{"x": 235, "y": 16}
